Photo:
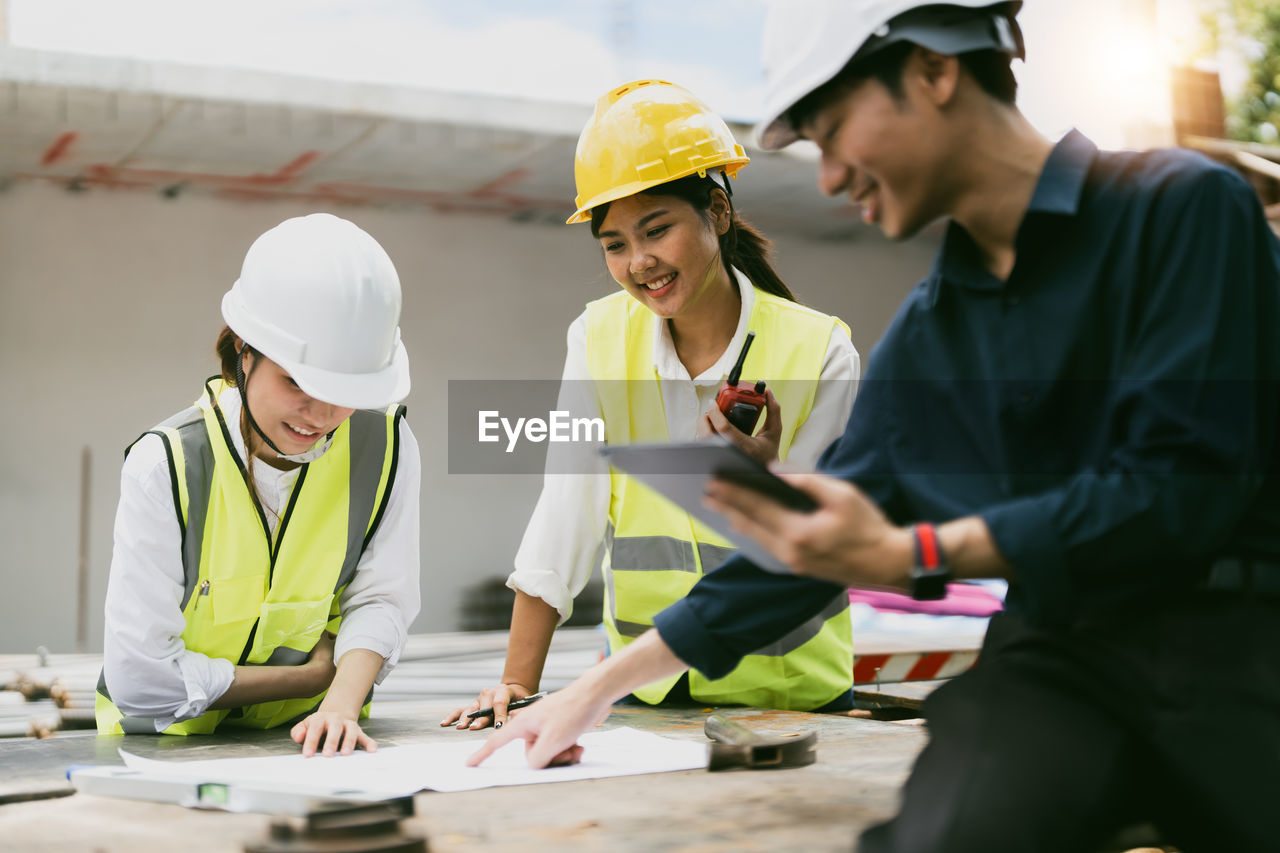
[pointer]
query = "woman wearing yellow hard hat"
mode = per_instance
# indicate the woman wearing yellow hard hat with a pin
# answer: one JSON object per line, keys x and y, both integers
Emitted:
{"x": 652, "y": 168}
{"x": 265, "y": 568}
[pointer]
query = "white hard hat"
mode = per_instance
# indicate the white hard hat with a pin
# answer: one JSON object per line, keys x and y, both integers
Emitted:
{"x": 808, "y": 42}
{"x": 319, "y": 297}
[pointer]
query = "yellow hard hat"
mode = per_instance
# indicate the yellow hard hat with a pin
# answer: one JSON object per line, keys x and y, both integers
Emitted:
{"x": 645, "y": 133}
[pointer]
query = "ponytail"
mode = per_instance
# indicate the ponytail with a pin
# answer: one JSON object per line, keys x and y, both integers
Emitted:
{"x": 229, "y": 360}
{"x": 744, "y": 247}
{"x": 227, "y": 352}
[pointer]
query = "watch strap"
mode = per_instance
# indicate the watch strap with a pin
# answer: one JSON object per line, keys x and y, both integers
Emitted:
{"x": 929, "y": 571}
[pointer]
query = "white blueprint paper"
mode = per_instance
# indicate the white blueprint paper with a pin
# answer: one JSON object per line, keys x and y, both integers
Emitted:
{"x": 402, "y": 770}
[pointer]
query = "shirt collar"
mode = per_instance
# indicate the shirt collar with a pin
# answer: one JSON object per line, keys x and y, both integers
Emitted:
{"x": 1062, "y": 182}
{"x": 668, "y": 364}
{"x": 1057, "y": 192}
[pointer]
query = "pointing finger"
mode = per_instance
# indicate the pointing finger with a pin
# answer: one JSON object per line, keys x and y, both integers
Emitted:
{"x": 496, "y": 741}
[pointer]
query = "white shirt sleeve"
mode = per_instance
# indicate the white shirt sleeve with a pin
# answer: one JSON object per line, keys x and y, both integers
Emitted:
{"x": 832, "y": 402}
{"x": 148, "y": 669}
{"x": 383, "y": 598}
{"x": 557, "y": 554}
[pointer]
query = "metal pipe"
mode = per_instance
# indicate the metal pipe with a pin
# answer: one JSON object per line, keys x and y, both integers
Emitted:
{"x": 82, "y": 569}
{"x": 76, "y": 718}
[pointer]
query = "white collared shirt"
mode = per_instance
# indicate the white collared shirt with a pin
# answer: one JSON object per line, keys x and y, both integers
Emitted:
{"x": 558, "y": 552}
{"x": 149, "y": 670}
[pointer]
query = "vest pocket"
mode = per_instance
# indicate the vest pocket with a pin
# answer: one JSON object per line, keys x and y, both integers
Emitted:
{"x": 296, "y": 624}
{"x": 235, "y": 599}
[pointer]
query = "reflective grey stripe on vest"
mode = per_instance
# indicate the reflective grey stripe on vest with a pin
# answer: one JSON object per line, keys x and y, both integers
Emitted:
{"x": 648, "y": 553}
{"x": 285, "y": 656}
{"x": 661, "y": 554}
{"x": 189, "y": 425}
{"x": 368, "y": 440}
{"x": 368, "y": 445}
{"x": 807, "y": 630}
{"x": 641, "y": 554}
{"x": 784, "y": 646}
{"x": 713, "y": 556}
{"x": 630, "y": 629}
{"x": 199, "y": 455}
{"x": 667, "y": 554}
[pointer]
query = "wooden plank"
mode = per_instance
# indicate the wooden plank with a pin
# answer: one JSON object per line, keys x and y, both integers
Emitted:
{"x": 909, "y": 695}
{"x": 463, "y": 644}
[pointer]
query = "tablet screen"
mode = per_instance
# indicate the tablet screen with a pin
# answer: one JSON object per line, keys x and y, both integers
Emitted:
{"x": 680, "y": 473}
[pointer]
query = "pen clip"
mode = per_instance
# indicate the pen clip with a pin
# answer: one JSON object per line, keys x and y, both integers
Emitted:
{"x": 513, "y": 705}
{"x": 200, "y": 593}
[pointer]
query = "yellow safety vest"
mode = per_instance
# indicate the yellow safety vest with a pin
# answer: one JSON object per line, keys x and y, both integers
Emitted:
{"x": 250, "y": 597}
{"x": 655, "y": 552}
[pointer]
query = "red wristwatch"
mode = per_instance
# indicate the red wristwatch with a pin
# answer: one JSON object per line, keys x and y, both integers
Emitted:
{"x": 929, "y": 572}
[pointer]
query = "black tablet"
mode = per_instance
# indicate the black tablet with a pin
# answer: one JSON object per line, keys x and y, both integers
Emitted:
{"x": 680, "y": 472}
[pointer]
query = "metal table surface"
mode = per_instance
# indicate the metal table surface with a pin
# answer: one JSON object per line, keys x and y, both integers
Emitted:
{"x": 861, "y": 765}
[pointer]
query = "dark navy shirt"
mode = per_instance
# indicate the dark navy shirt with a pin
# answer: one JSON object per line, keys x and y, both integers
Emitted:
{"x": 1110, "y": 410}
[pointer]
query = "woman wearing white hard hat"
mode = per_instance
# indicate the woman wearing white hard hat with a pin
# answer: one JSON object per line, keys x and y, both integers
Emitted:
{"x": 652, "y": 169}
{"x": 265, "y": 568}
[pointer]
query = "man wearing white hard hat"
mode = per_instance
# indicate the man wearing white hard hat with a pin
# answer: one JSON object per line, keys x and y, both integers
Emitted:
{"x": 1082, "y": 398}
{"x": 265, "y": 568}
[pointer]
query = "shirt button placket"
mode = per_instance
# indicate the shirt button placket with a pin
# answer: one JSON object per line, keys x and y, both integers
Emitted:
{"x": 1018, "y": 353}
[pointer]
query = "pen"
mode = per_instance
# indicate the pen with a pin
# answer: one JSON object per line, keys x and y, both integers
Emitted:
{"x": 511, "y": 706}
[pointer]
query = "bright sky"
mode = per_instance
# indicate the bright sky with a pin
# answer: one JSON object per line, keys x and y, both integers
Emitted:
{"x": 1095, "y": 64}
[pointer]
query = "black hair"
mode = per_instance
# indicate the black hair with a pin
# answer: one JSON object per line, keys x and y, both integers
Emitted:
{"x": 990, "y": 68}
{"x": 741, "y": 246}
{"x": 230, "y": 350}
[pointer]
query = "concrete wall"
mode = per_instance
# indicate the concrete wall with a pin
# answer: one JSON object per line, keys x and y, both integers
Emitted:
{"x": 108, "y": 311}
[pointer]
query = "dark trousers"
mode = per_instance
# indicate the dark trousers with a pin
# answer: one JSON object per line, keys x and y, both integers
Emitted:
{"x": 1168, "y": 715}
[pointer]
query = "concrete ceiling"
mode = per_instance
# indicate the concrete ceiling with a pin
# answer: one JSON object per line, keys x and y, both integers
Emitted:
{"x": 99, "y": 124}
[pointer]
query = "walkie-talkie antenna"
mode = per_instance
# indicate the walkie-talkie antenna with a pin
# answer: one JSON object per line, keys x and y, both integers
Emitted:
{"x": 736, "y": 373}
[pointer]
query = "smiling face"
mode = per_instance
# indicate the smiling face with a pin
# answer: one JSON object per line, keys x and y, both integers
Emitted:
{"x": 665, "y": 253}
{"x": 293, "y": 420}
{"x": 885, "y": 152}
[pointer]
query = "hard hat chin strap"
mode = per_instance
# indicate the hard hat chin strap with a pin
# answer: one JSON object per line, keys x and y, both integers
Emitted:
{"x": 242, "y": 385}
{"x": 721, "y": 179}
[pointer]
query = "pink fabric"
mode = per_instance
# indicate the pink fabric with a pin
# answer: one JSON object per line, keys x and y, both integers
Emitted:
{"x": 962, "y": 600}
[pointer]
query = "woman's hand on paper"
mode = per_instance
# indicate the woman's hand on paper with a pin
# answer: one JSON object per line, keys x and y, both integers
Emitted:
{"x": 339, "y": 733}
{"x": 335, "y": 724}
{"x": 496, "y": 698}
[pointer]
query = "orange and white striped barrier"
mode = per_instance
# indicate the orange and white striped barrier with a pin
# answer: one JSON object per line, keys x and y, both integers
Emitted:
{"x": 911, "y": 666}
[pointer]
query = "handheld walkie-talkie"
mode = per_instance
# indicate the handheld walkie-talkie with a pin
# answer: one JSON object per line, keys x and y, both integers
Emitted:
{"x": 742, "y": 406}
